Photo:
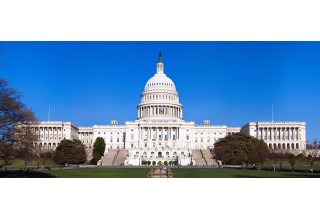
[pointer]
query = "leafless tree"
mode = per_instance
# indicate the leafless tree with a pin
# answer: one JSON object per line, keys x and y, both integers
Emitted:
{"x": 24, "y": 141}
{"x": 12, "y": 113}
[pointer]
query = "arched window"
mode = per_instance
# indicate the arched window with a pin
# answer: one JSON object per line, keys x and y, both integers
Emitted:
{"x": 297, "y": 146}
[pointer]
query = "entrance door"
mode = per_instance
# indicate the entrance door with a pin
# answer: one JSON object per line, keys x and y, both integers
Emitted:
{"x": 160, "y": 155}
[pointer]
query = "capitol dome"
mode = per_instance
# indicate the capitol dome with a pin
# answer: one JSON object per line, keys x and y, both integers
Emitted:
{"x": 160, "y": 99}
{"x": 160, "y": 82}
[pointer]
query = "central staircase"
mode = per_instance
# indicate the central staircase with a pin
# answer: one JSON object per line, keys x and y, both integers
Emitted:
{"x": 115, "y": 158}
{"x": 204, "y": 158}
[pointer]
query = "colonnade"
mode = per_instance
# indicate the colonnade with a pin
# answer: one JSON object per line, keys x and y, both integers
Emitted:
{"x": 276, "y": 134}
{"x": 49, "y": 132}
{"x": 159, "y": 133}
{"x": 160, "y": 110}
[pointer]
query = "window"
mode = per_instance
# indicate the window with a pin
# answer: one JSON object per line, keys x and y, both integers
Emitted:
{"x": 187, "y": 137}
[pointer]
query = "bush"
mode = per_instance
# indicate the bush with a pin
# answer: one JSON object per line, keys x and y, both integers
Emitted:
{"x": 170, "y": 163}
{"x": 149, "y": 163}
{"x": 94, "y": 161}
{"x": 165, "y": 163}
{"x": 154, "y": 163}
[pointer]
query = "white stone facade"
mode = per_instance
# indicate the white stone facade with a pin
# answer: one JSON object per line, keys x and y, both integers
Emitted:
{"x": 279, "y": 135}
{"x": 161, "y": 134}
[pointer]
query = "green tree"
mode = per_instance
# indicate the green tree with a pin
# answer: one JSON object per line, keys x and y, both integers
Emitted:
{"x": 165, "y": 163}
{"x": 99, "y": 148}
{"x": 149, "y": 163}
{"x": 154, "y": 163}
{"x": 240, "y": 149}
{"x": 71, "y": 152}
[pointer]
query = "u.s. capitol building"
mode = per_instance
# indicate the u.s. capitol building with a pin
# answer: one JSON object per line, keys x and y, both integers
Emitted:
{"x": 161, "y": 134}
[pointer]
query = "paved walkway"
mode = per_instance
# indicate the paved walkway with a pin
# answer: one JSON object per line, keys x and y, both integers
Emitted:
{"x": 164, "y": 173}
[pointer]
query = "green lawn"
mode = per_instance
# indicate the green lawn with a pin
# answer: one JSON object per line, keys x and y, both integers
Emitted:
{"x": 142, "y": 173}
{"x": 237, "y": 173}
{"x": 18, "y": 164}
{"x": 101, "y": 173}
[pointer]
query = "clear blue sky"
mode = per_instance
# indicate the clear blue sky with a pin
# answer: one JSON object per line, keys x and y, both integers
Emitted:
{"x": 229, "y": 83}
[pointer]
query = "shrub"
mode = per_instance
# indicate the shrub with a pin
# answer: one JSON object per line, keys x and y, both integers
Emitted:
{"x": 94, "y": 161}
{"x": 154, "y": 163}
{"x": 165, "y": 163}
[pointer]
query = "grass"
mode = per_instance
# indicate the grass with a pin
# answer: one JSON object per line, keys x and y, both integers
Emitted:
{"x": 101, "y": 173}
{"x": 237, "y": 173}
{"x": 18, "y": 164}
{"x": 142, "y": 173}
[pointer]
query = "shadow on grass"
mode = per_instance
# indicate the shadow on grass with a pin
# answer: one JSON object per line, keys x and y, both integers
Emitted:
{"x": 23, "y": 174}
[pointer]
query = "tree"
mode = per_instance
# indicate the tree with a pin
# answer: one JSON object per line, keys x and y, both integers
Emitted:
{"x": 312, "y": 157}
{"x": 99, "y": 148}
{"x": 7, "y": 155}
{"x": 24, "y": 141}
{"x": 165, "y": 163}
{"x": 315, "y": 144}
{"x": 154, "y": 163}
{"x": 275, "y": 156}
{"x": 70, "y": 152}
{"x": 12, "y": 113}
{"x": 239, "y": 149}
{"x": 292, "y": 159}
{"x": 149, "y": 162}
{"x": 43, "y": 152}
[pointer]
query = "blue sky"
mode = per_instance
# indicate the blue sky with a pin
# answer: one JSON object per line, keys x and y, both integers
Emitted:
{"x": 229, "y": 83}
